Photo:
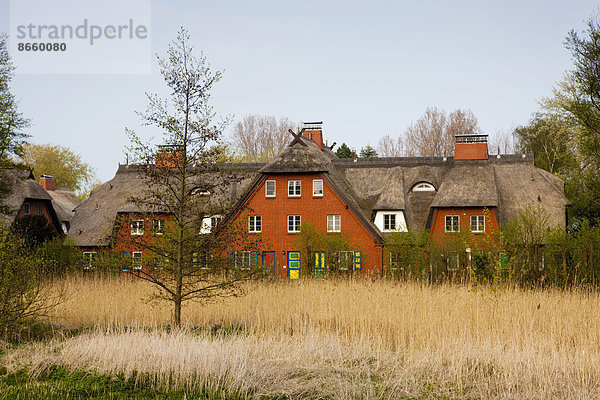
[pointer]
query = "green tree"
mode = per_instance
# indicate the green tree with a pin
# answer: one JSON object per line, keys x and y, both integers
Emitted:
{"x": 185, "y": 181}
{"x": 343, "y": 151}
{"x": 551, "y": 140}
{"x": 27, "y": 291}
{"x": 12, "y": 122}
{"x": 67, "y": 168}
{"x": 368, "y": 152}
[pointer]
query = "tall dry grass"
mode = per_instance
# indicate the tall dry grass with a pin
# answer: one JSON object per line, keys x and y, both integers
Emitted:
{"x": 343, "y": 339}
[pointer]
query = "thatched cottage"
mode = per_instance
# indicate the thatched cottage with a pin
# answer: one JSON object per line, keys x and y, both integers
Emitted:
{"x": 365, "y": 199}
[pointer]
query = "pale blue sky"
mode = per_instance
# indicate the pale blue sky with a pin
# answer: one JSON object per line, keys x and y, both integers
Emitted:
{"x": 365, "y": 68}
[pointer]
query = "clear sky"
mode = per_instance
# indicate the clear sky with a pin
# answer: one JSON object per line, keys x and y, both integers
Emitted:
{"x": 365, "y": 68}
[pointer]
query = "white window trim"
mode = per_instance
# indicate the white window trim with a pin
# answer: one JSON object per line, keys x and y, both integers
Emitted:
{"x": 314, "y": 182}
{"x": 339, "y": 219}
{"x": 477, "y": 223}
{"x": 457, "y": 223}
{"x": 299, "y": 223}
{"x": 274, "y": 188}
{"x": 395, "y": 222}
{"x": 299, "y": 187}
{"x": 423, "y": 187}
{"x": 161, "y": 225}
{"x": 254, "y": 217}
{"x": 89, "y": 258}
{"x": 137, "y": 231}
{"x": 133, "y": 259}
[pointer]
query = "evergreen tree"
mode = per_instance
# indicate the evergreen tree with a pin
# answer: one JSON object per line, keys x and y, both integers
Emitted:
{"x": 344, "y": 151}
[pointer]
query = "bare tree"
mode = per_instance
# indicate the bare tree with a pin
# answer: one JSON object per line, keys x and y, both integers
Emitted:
{"x": 503, "y": 142}
{"x": 433, "y": 133}
{"x": 185, "y": 185}
{"x": 390, "y": 147}
{"x": 261, "y": 137}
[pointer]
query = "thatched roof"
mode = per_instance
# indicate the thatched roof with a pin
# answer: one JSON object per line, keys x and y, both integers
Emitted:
{"x": 95, "y": 218}
{"x": 23, "y": 187}
{"x": 507, "y": 184}
{"x": 64, "y": 202}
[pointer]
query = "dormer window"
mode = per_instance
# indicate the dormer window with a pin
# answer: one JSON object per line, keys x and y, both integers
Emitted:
{"x": 200, "y": 192}
{"x": 423, "y": 187}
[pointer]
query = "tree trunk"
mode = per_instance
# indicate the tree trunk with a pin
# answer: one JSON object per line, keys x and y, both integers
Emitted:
{"x": 177, "y": 312}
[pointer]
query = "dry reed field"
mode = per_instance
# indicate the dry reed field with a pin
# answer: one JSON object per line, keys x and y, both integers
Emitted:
{"x": 337, "y": 339}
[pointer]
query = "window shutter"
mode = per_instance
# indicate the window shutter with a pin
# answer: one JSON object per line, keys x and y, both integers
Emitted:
{"x": 358, "y": 260}
{"x": 231, "y": 259}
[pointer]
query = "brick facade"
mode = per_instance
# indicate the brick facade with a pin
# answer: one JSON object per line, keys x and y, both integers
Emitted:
{"x": 312, "y": 209}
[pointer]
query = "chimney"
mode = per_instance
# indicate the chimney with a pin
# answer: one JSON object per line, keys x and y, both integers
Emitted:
{"x": 168, "y": 156}
{"x": 47, "y": 182}
{"x": 471, "y": 147}
{"x": 314, "y": 132}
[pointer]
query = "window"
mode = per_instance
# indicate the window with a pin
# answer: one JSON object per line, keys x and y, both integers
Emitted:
{"x": 270, "y": 189}
{"x": 345, "y": 260}
{"x": 293, "y": 188}
{"x": 214, "y": 221}
{"x": 242, "y": 259}
{"x": 452, "y": 223}
{"x": 199, "y": 191}
{"x": 477, "y": 223}
{"x": 137, "y": 259}
{"x": 334, "y": 223}
{"x": 39, "y": 208}
{"x": 389, "y": 222}
{"x": 137, "y": 227}
{"x": 318, "y": 187}
{"x": 89, "y": 260}
{"x": 26, "y": 208}
{"x": 158, "y": 226}
{"x": 396, "y": 260}
{"x": 423, "y": 187}
{"x": 293, "y": 223}
{"x": 255, "y": 223}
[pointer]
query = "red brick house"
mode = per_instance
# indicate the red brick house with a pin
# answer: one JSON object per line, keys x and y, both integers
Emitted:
{"x": 363, "y": 199}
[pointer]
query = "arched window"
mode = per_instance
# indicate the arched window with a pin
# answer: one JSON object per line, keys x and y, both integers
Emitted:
{"x": 423, "y": 187}
{"x": 198, "y": 191}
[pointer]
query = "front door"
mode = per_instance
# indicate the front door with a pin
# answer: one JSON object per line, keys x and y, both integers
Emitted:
{"x": 293, "y": 266}
{"x": 268, "y": 261}
{"x": 319, "y": 263}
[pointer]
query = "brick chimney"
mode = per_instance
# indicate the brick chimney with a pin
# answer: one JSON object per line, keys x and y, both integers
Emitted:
{"x": 47, "y": 182}
{"x": 168, "y": 156}
{"x": 471, "y": 147}
{"x": 314, "y": 132}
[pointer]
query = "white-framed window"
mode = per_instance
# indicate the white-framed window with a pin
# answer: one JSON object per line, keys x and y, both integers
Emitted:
{"x": 293, "y": 223}
{"x": 270, "y": 188}
{"x": 423, "y": 187}
{"x": 158, "y": 226}
{"x": 89, "y": 259}
{"x": 215, "y": 220}
{"x": 477, "y": 223}
{"x": 334, "y": 223}
{"x": 318, "y": 187}
{"x": 452, "y": 223}
{"x": 137, "y": 227}
{"x": 136, "y": 257}
{"x": 255, "y": 223}
{"x": 341, "y": 260}
{"x": 27, "y": 208}
{"x": 294, "y": 188}
{"x": 389, "y": 222}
